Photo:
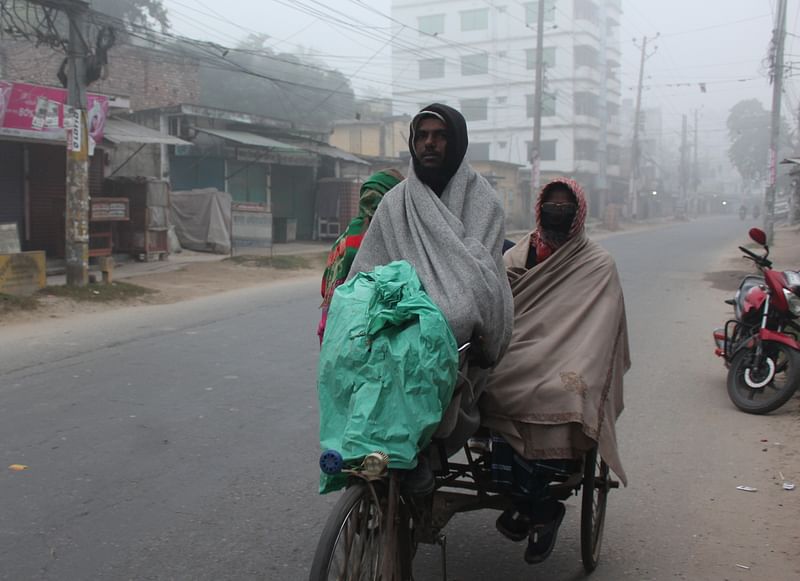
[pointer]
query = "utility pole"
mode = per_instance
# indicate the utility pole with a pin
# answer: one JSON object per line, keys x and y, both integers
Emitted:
{"x": 602, "y": 146}
{"x": 77, "y": 203}
{"x": 794, "y": 210}
{"x": 633, "y": 185}
{"x": 695, "y": 167}
{"x": 536, "y": 174}
{"x": 684, "y": 162}
{"x": 778, "y": 38}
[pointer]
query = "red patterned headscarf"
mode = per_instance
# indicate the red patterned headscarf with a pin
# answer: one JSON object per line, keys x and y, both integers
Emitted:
{"x": 539, "y": 243}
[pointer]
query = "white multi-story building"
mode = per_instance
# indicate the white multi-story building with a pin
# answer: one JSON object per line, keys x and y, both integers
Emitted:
{"x": 479, "y": 56}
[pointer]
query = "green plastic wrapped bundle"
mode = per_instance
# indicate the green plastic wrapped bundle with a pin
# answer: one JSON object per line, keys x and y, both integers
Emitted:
{"x": 387, "y": 369}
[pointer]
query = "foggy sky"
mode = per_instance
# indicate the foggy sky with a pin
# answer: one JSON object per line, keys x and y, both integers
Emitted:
{"x": 713, "y": 41}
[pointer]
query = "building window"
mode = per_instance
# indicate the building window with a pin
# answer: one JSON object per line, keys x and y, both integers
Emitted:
{"x": 175, "y": 126}
{"x": 475, "y": 19}
{"x": 549, "y": 54}
{"x": 586, "y": 104}
{"x": 586, "y": 56}
{"x": 431, "y": 69}
{"x": 475, "y": 64}
{"x": 585, "y": 150}
{"x": 585, "y": 10}
{"x": 613, "y": 154}
{"x": 355, "y": 139}
{"x": 478, "y": 151}
{"x": 431, "y": 24}
{"x": 548, "y": 105}
{"x": 532, "y": 12}
{"x": 547, "y": 149}
{"x": 475, "y": 109}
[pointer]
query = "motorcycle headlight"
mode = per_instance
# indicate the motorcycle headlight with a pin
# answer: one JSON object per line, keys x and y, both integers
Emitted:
{"x": 794, "y": 302}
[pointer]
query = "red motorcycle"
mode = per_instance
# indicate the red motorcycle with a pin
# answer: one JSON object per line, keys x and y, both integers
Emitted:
{"x": 761, "y": 345}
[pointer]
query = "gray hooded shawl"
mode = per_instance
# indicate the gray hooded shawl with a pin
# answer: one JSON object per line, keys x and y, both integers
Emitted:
{"x": 455, "y": 244}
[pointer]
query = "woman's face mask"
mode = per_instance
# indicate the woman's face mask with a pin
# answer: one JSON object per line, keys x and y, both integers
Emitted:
{"x": 558, "y": 216}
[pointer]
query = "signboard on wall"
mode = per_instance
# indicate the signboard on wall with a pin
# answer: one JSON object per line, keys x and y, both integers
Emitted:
{"x": 251, "y": 227}
{"x": 39, "y": 112}
{"x": 9, "y": 239}
{"x": 110, "y": 209}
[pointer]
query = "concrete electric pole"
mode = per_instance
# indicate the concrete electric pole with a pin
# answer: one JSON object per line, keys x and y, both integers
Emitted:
{"x": 77, "y": 206}
{"x": 695, "y": 170}
{"x": 684, "y": 163}
{"x": 778, "y": 38}
{"x": 536, "y": 173}
{"x": 633, "y": 185}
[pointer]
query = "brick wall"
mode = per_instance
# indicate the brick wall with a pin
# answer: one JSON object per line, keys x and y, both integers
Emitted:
{"x": 148, "y": 77}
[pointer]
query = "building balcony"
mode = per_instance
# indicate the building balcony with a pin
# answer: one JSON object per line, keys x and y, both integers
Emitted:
{"x": 587, "y": 29}
{"x": 588, "y": 73}
{"x": 586, "y": 166}
{"x": 586, "y": 122}
{"x": 559, "y": 166}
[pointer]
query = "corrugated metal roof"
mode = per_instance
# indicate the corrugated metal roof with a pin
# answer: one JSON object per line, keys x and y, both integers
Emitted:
{"x": 246, "y": 138}
{"x": 123, "y": 131}
{"x": 332, "y": 151}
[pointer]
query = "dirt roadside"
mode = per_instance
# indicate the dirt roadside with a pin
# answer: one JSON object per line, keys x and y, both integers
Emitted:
{"x": 180, "y": 282}
{"x": 784, "y": 253}
{"x": 778, "y": 450}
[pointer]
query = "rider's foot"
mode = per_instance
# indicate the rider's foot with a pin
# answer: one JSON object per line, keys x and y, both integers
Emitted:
{"x": 419, "y": 481}
{"x": 513, "y": 525}
{"x": 543, "y": 535}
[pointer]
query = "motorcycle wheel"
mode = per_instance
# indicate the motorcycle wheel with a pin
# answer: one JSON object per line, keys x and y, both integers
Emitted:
{"x": 759, "y": 388}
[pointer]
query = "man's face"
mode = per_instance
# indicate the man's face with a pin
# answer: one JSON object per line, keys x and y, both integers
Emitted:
{"x": 430, "y": 142}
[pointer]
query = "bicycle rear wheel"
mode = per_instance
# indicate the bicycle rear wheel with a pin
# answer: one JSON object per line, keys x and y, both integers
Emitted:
{"x": 596, "y": 483}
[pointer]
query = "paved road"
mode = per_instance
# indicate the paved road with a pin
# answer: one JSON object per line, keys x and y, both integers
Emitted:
{"x": 179, "y": 442}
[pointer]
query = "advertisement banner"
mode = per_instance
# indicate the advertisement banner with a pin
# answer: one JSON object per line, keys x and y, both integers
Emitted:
{"x": 38, "y": 112}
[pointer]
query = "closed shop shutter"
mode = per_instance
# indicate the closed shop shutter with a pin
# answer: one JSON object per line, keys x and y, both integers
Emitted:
{"x": 47, "y": 194}
{"x": 11, "y": 185}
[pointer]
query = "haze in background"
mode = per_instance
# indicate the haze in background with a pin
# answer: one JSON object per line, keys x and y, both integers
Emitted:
{"x": 721, "y": 43}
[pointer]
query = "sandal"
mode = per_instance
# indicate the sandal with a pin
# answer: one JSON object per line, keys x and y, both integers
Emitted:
{"x": 542, "y": 538}
{"x": 513, "y": 525}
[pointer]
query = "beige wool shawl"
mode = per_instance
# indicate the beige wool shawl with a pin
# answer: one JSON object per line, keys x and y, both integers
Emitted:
{"x": 558, "y": 390}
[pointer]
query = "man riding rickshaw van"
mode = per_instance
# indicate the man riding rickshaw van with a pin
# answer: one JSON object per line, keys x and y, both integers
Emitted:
{"x": 445, "y": 223}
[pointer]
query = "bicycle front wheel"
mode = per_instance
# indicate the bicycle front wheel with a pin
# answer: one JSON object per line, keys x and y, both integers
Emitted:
{"x": 351, "y": 543}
